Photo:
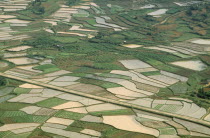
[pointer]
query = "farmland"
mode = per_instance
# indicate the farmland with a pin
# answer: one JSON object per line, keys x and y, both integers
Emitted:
{"x": 98, "y": 68}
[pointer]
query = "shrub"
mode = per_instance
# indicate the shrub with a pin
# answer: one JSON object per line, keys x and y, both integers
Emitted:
{"x": 3, "y": 81}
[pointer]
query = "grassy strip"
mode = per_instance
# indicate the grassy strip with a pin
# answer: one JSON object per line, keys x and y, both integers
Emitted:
{"x": 51, "y": 102}
{"x": 114, "y": 112}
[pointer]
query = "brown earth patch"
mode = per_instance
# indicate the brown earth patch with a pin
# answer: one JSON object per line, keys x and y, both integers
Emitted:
{"x": 155, "y": 124}
{"x": 146, "y": 87}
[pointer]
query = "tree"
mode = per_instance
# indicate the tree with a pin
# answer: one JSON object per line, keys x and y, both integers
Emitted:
{"x": 3, "y": 81}
{"x": 36, "y": 7}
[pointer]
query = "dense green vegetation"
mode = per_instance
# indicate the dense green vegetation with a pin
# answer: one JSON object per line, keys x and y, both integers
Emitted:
{"x": 204, "y": 94}
{"x": 3, "y": 81}
{"x": 39, "y": 9}
{"x": 92, "y": 59}
{"x": 72, "y": 2}
{"x": 36, "y": 7}
{"x": 193, "y": 89}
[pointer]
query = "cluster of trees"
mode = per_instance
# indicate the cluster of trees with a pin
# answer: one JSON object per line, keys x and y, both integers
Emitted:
{"x": 203, "y": 94}
{"x": 72, "y": 2}
{"x": 36, "y": 7}
{"x": 42, "y": 41}
{"x": 3, "y": 81}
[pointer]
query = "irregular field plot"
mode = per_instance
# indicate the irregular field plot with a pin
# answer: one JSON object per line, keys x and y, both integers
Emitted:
{"x": 193, "y": 65}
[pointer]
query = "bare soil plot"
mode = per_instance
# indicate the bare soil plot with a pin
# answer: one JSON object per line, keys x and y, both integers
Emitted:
{"x": 125, "y": 97}
{"x": 182, "y": 132}
{"x": 167, "y": 131}
{"x": 207, "y": 117}
{"x": 154, "y": 124}
{"x": 127, "y": 84}
{"x": 91, "y": 132}
{"x": 182, "y": 50}
{"x": 49, "y": 31}
{"x": 10, "y": 55}
{"x": 153, "y": 115}
{"x": 134, "y": 64}
{"x": 45, "y": 111}
{"x": 30, "y": 109}
{"x": 148, "y": 6}
{"x": 193, "y": 109}
{"x": 57, "y": 73}
{"x": 88, "y": 102}
{"x": 172, "y": 75}
{"x": 175, "y": 124}
{"x": 22, "y": 61}
{"x": 67, "y": 78}
{"x": 50, "y": 93}
{"x": 87, "y": 88}
{"x": 27, "y": 85}
{"x": 201, "y": 41}
{"x": 132, "y": 45}
{"x": 140, "y": 78}
{"x": 22, "y": 97}
{"x": 16, "y": 21}
{"x": 196, "y": 65}
{"x": 68, "y": 105}
{"x": 70, "y": 97}
{"x": 174, "y": 109}
{"x": 103, "y": 107}
{"x": 33, "y": 99}
{"x": 130, "y": 124}
{"x": 53, "y": 125}
{"x": 90, "y": 118}
{"x": 164, "y": 79}
{"x": 6, "y": 90}
{"x": 158, "y": 13}
{"x": 193, "y": 127}
{"x": 125, "y": 92}
{"x": 181, "y": 99}
{"x": 149, "y": 117}
{"x": 71, "y": 33}
{"x": 33, "y": 91}
{"x": 8, "y": 127}
{"x": 81, "y": 7}
{"x": 23, "y": 130}
{"x": 78, "y": 110}
{"x": 46, "y": 80}
{"x": 51, "y": 22}
{"x": 198, "y": 114}
{"x": 18, "y": 24}
{"x": 146, "y": 87}
{"x": 162, "y": 49}
{"x": 102, "y": 21}
{"x": 62, "y": 84}
{"x": 91, "y": 89}
{"x": 29, "y": 67}
{"x": 174, "y": 102}
{"x": 64, "y": 133}
{"x": 17, "y": 74}
{"x": 7, "y": 16}
{"x": 61, "y": 121}
{"x": 46, "y": 61}
{"x": 197, "y": 134}
{"x": 146, "y": 102}
{"x": 3, "y": 64}
{"x": 78, "y": 28}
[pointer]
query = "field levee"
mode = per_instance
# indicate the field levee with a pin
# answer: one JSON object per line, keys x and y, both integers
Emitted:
{"x": 194, "y": 120}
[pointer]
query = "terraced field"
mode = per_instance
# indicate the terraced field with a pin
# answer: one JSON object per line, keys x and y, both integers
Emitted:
{"x": 88, "y": 68}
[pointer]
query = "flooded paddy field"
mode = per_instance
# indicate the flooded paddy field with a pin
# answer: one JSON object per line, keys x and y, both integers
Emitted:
{"x": 61, "y": 116}
{"x": 144, "y": 55}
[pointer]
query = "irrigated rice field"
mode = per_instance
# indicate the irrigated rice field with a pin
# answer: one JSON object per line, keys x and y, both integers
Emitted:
{"x": 109, "y": 49}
